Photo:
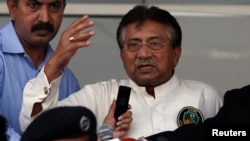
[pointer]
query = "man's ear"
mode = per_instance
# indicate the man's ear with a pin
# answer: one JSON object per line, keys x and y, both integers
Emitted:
{"x": 177, "y": 51}
{"x": 12, "y": 8}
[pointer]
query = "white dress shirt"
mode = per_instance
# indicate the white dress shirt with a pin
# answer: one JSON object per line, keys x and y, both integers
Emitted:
{"x": 150, "y": 115}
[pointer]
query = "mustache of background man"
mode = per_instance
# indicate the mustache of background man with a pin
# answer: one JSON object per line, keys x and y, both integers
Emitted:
{"x": 42, "y": 26}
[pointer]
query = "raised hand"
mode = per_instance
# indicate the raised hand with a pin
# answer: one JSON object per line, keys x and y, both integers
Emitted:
{"x": 74, "y": 37}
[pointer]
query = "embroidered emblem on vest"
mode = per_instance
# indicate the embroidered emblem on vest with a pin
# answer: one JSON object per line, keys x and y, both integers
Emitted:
{"x": 189, "y": 115}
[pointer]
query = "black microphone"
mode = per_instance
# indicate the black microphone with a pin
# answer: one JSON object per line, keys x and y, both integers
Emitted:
{"x": 122, "y": 101}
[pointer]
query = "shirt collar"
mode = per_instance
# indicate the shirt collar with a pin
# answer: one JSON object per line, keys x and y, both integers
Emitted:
{"x": 159, "y": 90}
{"x": 10, "y": 40}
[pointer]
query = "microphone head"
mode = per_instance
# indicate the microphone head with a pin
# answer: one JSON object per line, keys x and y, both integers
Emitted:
{"x": 105, "y": 132}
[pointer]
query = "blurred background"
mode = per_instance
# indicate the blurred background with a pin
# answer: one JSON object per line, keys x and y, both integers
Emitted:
{"x": 215, "y": 45}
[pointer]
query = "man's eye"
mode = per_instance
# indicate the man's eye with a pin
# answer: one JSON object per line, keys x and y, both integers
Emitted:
{"x": 55, "y": 6}
{"x": 133, "y": 44}
{"x": 33, "y": 5}
{"x": 154, "y": 43}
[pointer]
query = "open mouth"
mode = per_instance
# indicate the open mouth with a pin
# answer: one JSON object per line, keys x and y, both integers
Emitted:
{"x": 145, "y": 68}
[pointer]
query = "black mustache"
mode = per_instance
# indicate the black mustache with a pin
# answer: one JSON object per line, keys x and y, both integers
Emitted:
{"x": 43, "y": 26}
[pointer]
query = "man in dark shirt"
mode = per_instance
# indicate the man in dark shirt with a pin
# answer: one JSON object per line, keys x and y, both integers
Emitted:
{"x": 232, "y": 120}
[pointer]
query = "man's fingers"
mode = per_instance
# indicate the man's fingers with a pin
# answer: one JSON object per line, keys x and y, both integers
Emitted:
{"x": 78, "y": 21}
{"x": 76, "y": 27}
{"x": 82, "y": 39}
{"x": 124, "y": 121}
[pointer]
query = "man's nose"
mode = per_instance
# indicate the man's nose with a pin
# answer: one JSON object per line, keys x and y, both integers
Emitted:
{"x": 144, "y": 51}
{"x": 44, "y": 14}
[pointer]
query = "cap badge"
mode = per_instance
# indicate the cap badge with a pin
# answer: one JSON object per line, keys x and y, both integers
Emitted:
{"x": 84, "y": 123}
